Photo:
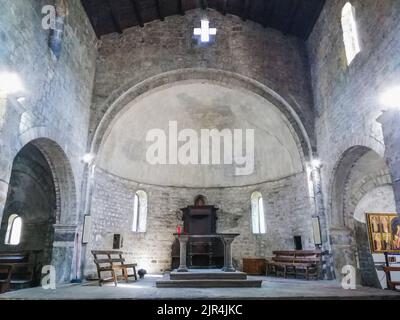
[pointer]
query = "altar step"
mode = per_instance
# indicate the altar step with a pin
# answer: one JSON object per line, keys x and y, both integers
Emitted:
{"x": 209, "y": 283}
{"x": 208, "y": 279}
{"x": 199, "y": 275}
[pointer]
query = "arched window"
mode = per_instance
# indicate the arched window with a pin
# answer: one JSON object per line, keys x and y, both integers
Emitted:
{"x": 350, "y": 35}
{"x": 14, "y": 228}
{"x": 139, "y": 212}
{"x": 257, "y": 213}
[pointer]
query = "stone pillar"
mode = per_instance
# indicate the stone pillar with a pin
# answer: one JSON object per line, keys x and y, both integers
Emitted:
{"x": 183, "y": 240}
{"x": 315, "y": 176}
{"x": 319, "y": 202}
{"x": 343, "y": 249}
{"x": 227, "y": 240}
{"x": 64, "y": 257}
{"x": 390, "y": 121}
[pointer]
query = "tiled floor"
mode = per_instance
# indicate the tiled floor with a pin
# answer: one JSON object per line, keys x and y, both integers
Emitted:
{"x": 272, "y": 288}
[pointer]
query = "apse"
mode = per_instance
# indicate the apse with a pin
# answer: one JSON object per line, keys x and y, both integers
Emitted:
{"x": 190, "y": 109}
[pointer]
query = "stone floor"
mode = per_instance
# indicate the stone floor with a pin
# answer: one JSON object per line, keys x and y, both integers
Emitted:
{"x": 272, "y": 288}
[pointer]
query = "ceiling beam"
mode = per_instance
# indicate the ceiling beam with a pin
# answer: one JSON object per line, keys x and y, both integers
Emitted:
{"x": 158, "y": 9}
{"x": 314, "y": 19}
{"x": 269, "y": 8}
{"x": 181, "y": 9}
{"x": 90, "y": 16}
{"x": 114, "y": 17}
{"x": 246, "y": 9}
{"x": 204, "y": 4}
{"x": 138, "y": 13}
{"x": 224, "y": 6}
{"x": 292, "y": 16}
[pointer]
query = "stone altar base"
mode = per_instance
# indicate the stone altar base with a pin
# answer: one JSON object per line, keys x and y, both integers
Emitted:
{"x": 213, "y": 278}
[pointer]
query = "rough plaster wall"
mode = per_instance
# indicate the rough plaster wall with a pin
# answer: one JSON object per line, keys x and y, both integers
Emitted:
{"x": 57, "y": 93}
{"x": 380, "y": 199}
{"x": 288, "y": 211}
{"x": 266, "y": 55}
{"x": 197, "y": 106}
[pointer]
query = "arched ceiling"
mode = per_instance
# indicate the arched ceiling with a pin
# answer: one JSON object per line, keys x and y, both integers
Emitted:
{"x": 199, "y": 105}
{"x": 294, "y": 17}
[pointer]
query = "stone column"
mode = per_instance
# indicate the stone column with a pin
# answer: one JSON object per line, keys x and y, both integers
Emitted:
{"x": 319, "y": 202}
{"x": 390, "y": 121}
{"x": 183, "y": 240}
{"x": 319, "y": 213}
{"x": 227, "y": 240}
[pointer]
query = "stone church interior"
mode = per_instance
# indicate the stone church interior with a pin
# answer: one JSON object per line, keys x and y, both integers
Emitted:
{"x": 181, "y": 148}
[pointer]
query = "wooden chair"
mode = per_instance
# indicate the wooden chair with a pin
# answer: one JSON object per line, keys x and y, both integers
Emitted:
{"x": 112, "y": 261}
{"x": 391, "y": 284}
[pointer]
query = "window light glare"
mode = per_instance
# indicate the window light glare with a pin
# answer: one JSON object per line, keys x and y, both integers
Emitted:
{"x": 391, "y": 98}
{"x": 205, "y": 31}
{"x": 10, "y": 83}
{"x": 350, "y": 35}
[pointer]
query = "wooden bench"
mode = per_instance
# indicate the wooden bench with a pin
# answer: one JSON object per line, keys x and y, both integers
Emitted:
{"x": 299, "y": 263}
{"x": 17, "y": 269}
{"x": 112, "y": 262}
{"x": 5, "y": 277}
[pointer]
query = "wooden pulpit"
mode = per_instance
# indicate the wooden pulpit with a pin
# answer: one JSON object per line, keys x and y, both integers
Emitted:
{"x": 201, "y": 252}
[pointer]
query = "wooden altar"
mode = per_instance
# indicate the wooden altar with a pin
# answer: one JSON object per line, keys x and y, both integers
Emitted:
{"x": 226, "y": 239}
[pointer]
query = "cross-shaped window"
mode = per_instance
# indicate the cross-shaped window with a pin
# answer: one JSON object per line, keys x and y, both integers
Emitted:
{"x": 205, "y": 31}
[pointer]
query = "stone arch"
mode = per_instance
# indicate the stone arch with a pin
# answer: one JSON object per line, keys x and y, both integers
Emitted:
{"x": 129, "y": 92}
{"x": 368, "y": 184}
{"x": 349, "y": 239}
{"x": 338, "y": 182}
{"x": 58, "y": 160}
{"x": 350, "y": 152}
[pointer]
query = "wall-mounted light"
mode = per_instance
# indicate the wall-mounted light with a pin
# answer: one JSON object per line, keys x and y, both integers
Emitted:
{"x": 391, "y": 98}
{"x": 316, "y": 163}
{"x": 88, "y": 158}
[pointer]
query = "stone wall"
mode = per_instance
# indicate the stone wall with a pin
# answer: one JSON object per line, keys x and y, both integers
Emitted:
{"x": 288, "y": 210}
{"x": 246, "y": 48}
{"x": 57, "y": 99}
{"x": 347, "y": 97}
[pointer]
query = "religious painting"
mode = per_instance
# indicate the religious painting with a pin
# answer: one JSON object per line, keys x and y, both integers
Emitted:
{"x": 384, "y": 232}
